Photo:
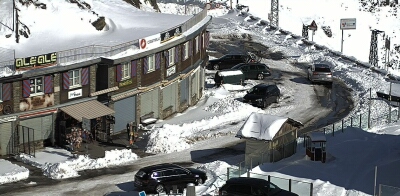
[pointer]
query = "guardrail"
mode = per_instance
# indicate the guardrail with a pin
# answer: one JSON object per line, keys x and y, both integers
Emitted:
{"x": 76, "y": 55}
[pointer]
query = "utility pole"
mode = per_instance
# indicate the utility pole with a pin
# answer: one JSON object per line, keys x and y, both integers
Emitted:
{"x": 274, "y": 13}
{"x": 373, "y": 50}
{"x": 16, "y": 24}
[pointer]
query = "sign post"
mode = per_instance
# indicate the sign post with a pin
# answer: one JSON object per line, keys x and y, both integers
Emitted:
{"x": 313, "y": 26}
{"x": 345, "y": 24}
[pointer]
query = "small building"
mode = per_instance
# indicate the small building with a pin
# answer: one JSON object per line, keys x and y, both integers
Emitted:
{"x": 269, "y": 138}
{"x": 315, "y": 143}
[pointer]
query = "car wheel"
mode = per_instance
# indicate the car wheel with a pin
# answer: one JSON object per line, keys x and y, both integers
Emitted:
{"x": 199, "y": 181}
{"x": 159, "y": 188}
{"x": 265, "y": 104}
{"x": 260, "y": 76}
{"x": 216, "y": 67}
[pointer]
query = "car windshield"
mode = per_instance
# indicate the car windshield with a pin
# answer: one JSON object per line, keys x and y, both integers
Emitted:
{"x": 257, "y": 91}
{"x": 237, "y": 66}
{"x": 272, "y": 189}
{"x": 322, "y": 69}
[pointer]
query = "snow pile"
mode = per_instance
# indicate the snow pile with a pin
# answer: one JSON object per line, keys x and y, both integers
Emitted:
{"x": 71, "y": 167}
{"x": 174, "y": 138}
{"x": 12, "y": 173}
{"x": 216, "y": 173}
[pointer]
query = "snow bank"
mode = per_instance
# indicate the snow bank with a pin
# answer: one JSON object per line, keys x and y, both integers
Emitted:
{"x": 71, "y": 167}
{"x": 10, "y": 172}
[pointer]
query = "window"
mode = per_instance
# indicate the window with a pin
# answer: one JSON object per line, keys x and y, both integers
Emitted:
{"x": 186, "y": 50}
{"x": 180, "y": 172}
{"x": 126, "y": 71}
{"x": 1, "y": 92}
{"x": 204, "y": 40}
{"x": 152, "y": 63}
{"x": 74, "y": 78}
{"x": 36, "y": 85}
{"x": 171, "y": 54}
{"x": 197, "y": 42}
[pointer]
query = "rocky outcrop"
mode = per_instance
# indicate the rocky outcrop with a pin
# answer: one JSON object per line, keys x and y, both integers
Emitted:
{"x": 137, "y": 4}
{"x": 100, "y": 23}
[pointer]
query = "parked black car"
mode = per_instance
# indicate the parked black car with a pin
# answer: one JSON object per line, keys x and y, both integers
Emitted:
{"x": 227, "y": 61}
{"x": 253, "y": 70}
{"x": 162, "y": 177}
{"x": 262, "y": 95}
{"x": 243, "y": 186}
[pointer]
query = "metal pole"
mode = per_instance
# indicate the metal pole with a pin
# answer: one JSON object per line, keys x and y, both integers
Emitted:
{"x": 376, "y": 173}
{"x": 388, "y": 58}
{"x": 312, "y": 36}
{"x": 369, "y": 108}
{"x": 390, "y": 102}
{"x": 341, "y": 48}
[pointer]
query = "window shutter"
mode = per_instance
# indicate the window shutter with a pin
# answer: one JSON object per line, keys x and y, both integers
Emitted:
{"x": 183, "y": 51}
{"x": 26, "y": 88}
{"x": 167, "y": 58}
{"x": 6, "y": 91}
{"x": 133, "y": 68}
{"x": 198, "y": 44}
{"x": 48, "y": 84}
{"x": 158, "y": 60}
{"x": 145, "y": 65}
{"x": 119, "y": 72}
{"x": 66, "y": 80}
{"x": 190, "y": 47}
{"x": 176, "y": 54}
{"x": 85, "y": 76}
{"x": 207, "y": 39}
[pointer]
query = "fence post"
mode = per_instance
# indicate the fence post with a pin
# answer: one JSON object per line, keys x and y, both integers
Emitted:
{"x": 269, "y": 178}
{"x": 351, "y": 121}
{"x": 342, "y": 125}
{"x": 333, "y": 129}
{"x": 290, "y": 185}
{"x": 324, "y": 131}
{"x": 251, "y": 164}
{"x": 311, "y": 189}
{"x": 360, "y": 120}
{"x": 227, "y": 173}
{"x": 369, "y": 108}
{"x": 248, "y": 173}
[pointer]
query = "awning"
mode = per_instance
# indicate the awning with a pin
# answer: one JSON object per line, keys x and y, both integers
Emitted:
{"x": 89, "y": 110}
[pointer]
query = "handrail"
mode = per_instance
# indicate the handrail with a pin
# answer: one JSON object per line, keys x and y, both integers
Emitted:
{"x": 84, "y": 53}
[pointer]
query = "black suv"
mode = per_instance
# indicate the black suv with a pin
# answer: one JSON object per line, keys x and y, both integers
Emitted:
{"x": 262, "y": 95}
{"x": 162, "y": 177}
{"x": 243, "y": 186}
{"x": 253, "y": 70}
{"x": 227, "y": 61}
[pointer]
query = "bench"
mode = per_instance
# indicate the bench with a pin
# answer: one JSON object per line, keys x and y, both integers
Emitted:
{"x": 148, "y": 119}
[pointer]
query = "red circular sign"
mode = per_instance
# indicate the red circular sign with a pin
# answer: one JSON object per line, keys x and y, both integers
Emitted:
{"x": 143, "y": 43}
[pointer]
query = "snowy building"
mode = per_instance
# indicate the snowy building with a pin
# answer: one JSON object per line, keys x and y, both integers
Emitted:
{"x": 269, "y": 138}
{"x": 102, "y": 88}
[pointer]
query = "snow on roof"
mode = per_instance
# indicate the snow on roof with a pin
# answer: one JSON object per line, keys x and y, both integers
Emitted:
{"x": 53, "y": 29}
{"x": 230, "y": 73}
{"x": 261, "y": 126}
{"x": 317, "y": 137}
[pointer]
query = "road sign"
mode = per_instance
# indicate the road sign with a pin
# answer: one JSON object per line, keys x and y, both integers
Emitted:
{"x": 313, "y": 26}
{"x": 347, "y": 23}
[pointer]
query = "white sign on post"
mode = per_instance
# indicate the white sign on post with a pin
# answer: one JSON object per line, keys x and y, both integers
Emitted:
{"x": 346, "y": 24}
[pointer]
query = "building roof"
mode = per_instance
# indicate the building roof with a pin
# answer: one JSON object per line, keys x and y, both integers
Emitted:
{"x": 263, "y": 126}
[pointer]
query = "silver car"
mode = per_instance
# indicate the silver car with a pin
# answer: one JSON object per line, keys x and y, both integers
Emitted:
{"x": 320, "y": 73}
